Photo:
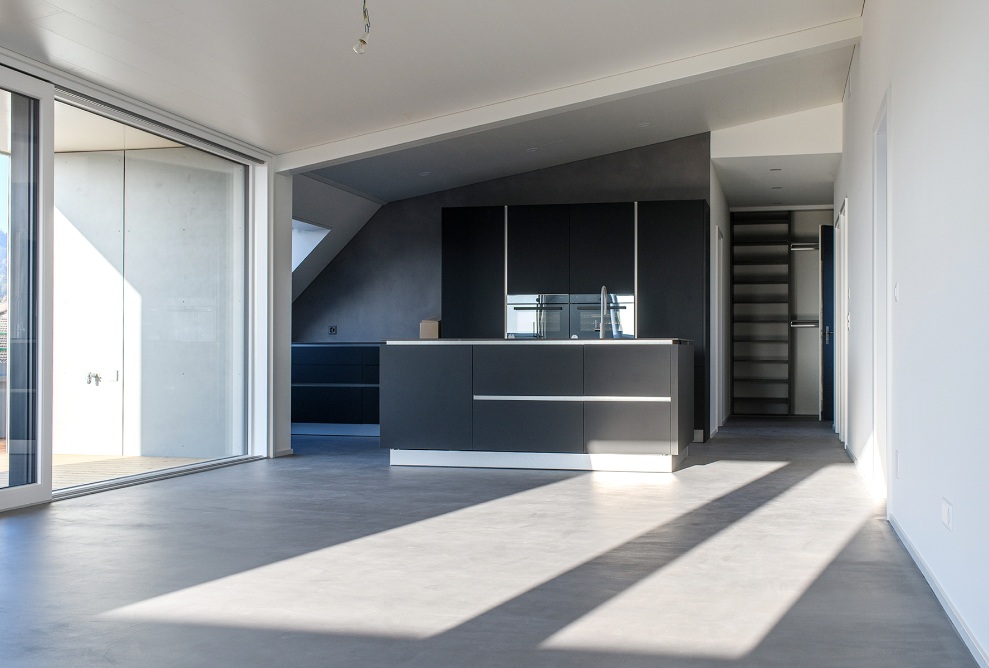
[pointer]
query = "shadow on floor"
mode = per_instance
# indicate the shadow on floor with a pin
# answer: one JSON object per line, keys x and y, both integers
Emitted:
{"x": 868, "y": 607}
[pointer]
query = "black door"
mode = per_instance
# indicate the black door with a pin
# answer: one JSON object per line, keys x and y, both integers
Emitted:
{"x": 827, "y": 324}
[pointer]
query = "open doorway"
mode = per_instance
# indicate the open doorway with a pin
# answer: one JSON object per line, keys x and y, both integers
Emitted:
{"x": 776, "y": 304}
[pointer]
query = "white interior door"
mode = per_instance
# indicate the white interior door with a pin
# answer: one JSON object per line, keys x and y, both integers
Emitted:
{"x": 25, "y": 242}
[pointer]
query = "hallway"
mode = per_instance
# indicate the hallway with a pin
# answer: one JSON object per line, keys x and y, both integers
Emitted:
{"x": 765, "y": 550}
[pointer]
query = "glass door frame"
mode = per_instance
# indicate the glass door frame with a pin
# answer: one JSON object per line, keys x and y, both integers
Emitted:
{"x": 43, "y": 92}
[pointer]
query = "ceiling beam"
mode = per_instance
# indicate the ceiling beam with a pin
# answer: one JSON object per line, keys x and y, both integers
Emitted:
{"x": 837, "y": 35}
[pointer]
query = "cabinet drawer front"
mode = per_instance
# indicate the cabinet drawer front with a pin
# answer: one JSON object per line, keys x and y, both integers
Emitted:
{"x": 517, "y": 369}
{"x": 627, "y": 428}
{"x": 528, "y": 426}
{"x": 627, "y": 371}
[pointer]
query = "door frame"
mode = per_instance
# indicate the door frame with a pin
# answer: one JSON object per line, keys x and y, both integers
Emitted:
{"x": 841, "y": 323}
{"x": 44, "y": 92}
{"x": 883, "y": 293}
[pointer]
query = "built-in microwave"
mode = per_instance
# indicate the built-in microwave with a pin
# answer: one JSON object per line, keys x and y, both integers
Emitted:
{"x": 538, "y": 317}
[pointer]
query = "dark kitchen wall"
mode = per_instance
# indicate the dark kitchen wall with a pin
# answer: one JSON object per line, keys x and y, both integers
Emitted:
{"x": 387, "y": 278}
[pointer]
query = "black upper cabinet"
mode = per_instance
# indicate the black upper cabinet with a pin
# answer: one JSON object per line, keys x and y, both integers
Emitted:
{"x": 473, "y": 283}
{"x": 602, "y": 248}
{"x": 539, "y": 250}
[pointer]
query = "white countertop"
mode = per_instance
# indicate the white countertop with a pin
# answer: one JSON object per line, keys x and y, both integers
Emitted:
{"x": 538, "y": 342}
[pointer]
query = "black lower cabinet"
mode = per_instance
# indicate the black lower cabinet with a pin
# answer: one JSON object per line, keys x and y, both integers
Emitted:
{"x": 627, "y": 428}
{"x": 335, "y": 383}
{"x": 517, "y": 369}
{"x": 426, "y": 397}
{"x": 628, "y": 371}
{"x": 528, "y": 426}
{"x": 515, "y": 397}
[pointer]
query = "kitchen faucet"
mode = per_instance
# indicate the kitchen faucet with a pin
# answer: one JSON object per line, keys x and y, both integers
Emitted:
{"x": 604, "y": 309}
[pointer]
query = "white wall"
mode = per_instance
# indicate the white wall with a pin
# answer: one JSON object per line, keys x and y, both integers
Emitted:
{"x": 931, "y": 59}
{"x": 281, "y": 318}
{"x": 720, "y": 305}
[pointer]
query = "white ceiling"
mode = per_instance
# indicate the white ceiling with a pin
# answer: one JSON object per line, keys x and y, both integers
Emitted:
{"x": 282, "y": 75}
{"x": 801, "y": 180}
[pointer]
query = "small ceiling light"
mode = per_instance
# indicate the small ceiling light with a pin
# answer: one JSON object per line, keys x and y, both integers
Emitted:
{"x": 777, "y": 187}
{"x": 361, "y": 45}
{"x": 424, "y": 173}
{"x": 776, "y": 169}
{"x": 532, "y": 149}
{"x": 644, "y": 125}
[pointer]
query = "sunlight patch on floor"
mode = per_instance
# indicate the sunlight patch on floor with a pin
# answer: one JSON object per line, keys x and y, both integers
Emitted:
{"x": 425, "y": 578}
{"x": 722, "y": 598}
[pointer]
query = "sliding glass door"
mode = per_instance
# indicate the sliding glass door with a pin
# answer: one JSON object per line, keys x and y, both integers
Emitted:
{"x": 25, "y": 159}
{"x": 150, "y": 314}
{"x": 123, "y": 298}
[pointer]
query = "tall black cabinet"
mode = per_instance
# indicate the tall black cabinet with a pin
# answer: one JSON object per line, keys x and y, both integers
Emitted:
{"x": 473, "y": 284}
{"x": 674, "y": 296}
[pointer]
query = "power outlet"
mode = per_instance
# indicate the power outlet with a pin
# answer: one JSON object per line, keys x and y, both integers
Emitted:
{"x": 947, "y": 513}
{"x": 332, "y": 330}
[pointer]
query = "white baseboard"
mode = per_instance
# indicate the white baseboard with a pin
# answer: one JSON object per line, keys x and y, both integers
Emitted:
{"x": 538, "y": 460}
{"x": 977, "y": 650}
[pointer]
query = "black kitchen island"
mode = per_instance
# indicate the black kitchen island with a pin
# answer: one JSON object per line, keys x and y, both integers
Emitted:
{"x": 611, "y": 405}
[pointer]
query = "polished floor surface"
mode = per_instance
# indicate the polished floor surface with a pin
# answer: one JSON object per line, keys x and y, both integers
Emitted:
{"x": 764, "y": 550}
{"x": 74, "y": 470}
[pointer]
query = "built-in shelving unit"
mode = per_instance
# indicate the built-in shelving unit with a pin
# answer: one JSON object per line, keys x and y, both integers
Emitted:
{"x": 762, "y": 376}
{"x": 335, "y": 383}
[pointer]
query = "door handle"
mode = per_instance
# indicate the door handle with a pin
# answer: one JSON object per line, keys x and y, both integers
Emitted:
{"x": 827, "y": 334}
{"x": 93, "y": 378}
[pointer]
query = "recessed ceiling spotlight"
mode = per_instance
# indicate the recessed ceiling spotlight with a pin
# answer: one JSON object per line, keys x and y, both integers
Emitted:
{"x": 424, "y": 173}
{"x": 644, "y": 125}
{"x": 532, "y": 149}
{"x": 776, "y": 169}
{"x": 777, "y": 187}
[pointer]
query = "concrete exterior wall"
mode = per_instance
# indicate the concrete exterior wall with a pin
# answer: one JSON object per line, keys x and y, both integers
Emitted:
{"x": 387, "y": 279}
{"x": 149, "y": 288}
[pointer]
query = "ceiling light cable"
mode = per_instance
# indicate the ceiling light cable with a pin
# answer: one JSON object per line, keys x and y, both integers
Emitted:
{"x": 361, "y": 45}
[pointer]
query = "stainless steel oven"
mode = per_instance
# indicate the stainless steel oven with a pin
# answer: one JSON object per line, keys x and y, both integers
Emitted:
{"x": 619, "y": 317}
{"x": 538, "y": 317}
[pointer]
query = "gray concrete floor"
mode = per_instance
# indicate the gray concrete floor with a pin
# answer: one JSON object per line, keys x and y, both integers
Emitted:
{"x": 765, "y": 550}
